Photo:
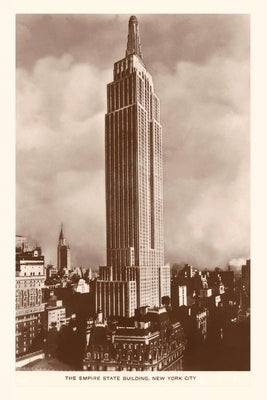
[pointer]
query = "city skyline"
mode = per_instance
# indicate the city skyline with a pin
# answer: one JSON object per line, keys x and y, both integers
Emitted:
{"x": 206, "y": 168}
{"x": 134, "y": 315}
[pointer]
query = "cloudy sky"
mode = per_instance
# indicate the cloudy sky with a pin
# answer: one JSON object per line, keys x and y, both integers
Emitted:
{"x": 200, "y": 69}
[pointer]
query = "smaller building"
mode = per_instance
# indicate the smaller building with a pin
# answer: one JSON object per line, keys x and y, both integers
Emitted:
{"x": 90, "y": 274}
{"x": 201, "y": 317}
{"x": 81, "y": 287}
{"x": 149, "y": 342}
{"x": 178, "y": 294}
{"x": 55, "y": 314}
{"x": 205, "y": 292}
{"x": 194, "y": 321}
{"x": 246, "y": 278}
{"x": 189, "y": 271}
{"x": 30, "y": 277}
{"x": 51, "y": 271}
{"x": 21, "y": 244}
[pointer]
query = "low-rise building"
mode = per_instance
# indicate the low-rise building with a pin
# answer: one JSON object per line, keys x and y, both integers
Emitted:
{"x": 30, "y": 278}
{"x": 81, "y": 286}
{"x": 178, "y": 294}
{"x": 151, "y": 343}
{"x": 205, "y": 292}
{"x": 51, "y": 271}
{"x": 55, "y": 314}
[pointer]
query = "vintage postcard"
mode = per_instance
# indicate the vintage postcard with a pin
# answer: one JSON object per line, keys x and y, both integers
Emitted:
{"x": 132, "y": 184}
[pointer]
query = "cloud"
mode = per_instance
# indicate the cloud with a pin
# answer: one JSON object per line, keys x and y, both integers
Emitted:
{"x": 205, "y": 118}
{"x": 237, "y": 262}
{"x": 200, "y": 67}
{"x": 60, "y": 154}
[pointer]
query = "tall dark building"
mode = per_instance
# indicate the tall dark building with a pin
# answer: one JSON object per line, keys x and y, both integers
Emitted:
{"x": 63, "y": 253}
{"x": 246, "y": 275}
{"x": 246, "y": 284}
{"x": 135, "y": 274}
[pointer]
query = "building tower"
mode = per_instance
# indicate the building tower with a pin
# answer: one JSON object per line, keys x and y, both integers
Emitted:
{"x": 63, "y": 253}
{"x": 135, "y": 274}
{"x": 30, "y": 278}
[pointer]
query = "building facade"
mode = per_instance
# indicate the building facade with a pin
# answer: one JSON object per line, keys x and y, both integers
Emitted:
{"x": 63, "y": 253}
{"x": 152, "y": 343}
{"x": 135, "y": 274}
{"x": 81, "y": 286}
{"x": 178, "y": 294}
{"x": 55, "y": 314}
{"x": 245, "y": 270}
{"x": 30, "y": 278}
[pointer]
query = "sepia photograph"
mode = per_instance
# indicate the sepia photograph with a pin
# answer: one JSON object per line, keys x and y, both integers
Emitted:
{"x": 132, "y": 193}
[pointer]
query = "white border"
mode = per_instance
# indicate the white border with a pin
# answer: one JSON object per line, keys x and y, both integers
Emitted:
{"x": 258, "y": 196}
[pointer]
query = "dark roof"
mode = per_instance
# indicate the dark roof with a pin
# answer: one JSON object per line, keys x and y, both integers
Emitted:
{"x": 131, "y": 332}
{"x": 155, "y": 317}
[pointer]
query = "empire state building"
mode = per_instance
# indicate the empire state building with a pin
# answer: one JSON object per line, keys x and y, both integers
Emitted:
{"x": 135, "y": 275}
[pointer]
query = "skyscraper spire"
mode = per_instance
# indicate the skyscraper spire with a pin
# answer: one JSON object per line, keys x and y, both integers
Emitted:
{"x": 133, "y": 43}
{"x": 63, "y": 252}
{"x": 61, "y": 235}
